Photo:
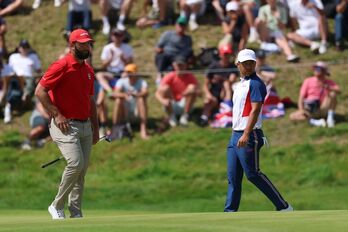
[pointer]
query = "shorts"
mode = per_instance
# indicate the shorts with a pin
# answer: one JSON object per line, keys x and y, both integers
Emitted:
{"x": 276, "y": 34}
{"x": 178, "y": 106}
{"x": 309, "y": 33}
{"x": 36, "y": 119}
{"x": 116, "y": 4}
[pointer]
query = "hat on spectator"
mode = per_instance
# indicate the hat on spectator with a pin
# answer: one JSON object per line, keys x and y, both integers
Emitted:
{"x": 80, "y": 36}
{"x": 131, "y": 68}
{"x": 260, "y": 53}
{"x": 322, "y": 65}
{"x": 181, "y": 21}
{"x": 24, "y": 43}
{"x": 232, "y": 6}
{"x": 225, "y": 49}
{"x": 246, "y": 54}
{"x": 117, "y": 31}
{"x": 180, "y": 60}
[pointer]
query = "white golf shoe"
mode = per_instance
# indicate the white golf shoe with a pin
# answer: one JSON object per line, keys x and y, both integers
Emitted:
{"x": 57, "y": 214}
{"x": 288, "y": 209}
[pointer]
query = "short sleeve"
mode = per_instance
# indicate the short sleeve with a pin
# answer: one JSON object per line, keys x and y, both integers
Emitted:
{"x": 257, "y": 91}
{"x": 106, "y": 54}
{"x": 304, "y": 88}
{"x": 163, "y": 39}
{"x": 53, "y": 74}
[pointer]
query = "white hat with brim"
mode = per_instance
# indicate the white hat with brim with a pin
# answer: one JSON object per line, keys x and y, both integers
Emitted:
{"x": 232, "y": 6}
{"x": 245, "y": 55}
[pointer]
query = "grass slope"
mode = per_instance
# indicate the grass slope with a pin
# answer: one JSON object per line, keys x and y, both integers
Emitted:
{"x": 309, "y": 221}
{"x": 183, "y": 169}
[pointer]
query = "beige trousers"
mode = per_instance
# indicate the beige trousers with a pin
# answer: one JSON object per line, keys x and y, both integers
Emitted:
{"x": 76, "y": 147}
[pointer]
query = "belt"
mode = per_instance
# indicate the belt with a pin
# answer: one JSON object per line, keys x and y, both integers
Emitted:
{"x": 78, "y": 120}
{"x": 241, "y": 131}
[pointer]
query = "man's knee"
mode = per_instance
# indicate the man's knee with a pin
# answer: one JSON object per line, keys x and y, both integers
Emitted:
{"x": 75, "y": 164}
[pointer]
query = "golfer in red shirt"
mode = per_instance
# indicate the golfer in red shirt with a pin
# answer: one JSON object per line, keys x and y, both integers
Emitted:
{"x": 66, "y": 92}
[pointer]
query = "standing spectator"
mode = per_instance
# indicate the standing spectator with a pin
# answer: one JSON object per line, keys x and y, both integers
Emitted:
{"x": 26, "y": 64}
{"x": 341, "y": 22}
{"x": 177, "y": 92}
{"x": 247, "y": 138}
{"x": 131, "y": 94}
{"x": 39, "y": 120}
{"x": 79, "y": 15}
{"x": 3, "y": 30}
{"x": 124, "y": 6}
{"x": 115, "y": 56}
{"x": 37, "y": 3}
{"x": 317, "y": 98}
{"x": 192, "y": 8}
{"x": 171, "y": 44}
{"x": 8, "y": 7}
{"x": 310, "y": 16}
{"x": 66, "y": 92}
{"x": 234, "y": 27}
{"x": 217, "y": 85}
{"x": 270, "y": 24}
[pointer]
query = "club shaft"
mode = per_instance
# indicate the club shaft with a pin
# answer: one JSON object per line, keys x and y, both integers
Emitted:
{"x": 51, "y": 162}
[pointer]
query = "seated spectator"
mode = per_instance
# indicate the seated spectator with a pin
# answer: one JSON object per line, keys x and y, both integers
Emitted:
{"x": 341, "y": 22}
{"x": 26, "y": 64}
{"x": 12, "y": 91}
{"x": 234, "y": 27}
{"x": 310, "y": 16}
{"x": 317, "y": 98}
{"x": 114, "y": 56}
{"x": 217, "y": 85}
{"x": 192, "y": 8}
{"x": 250, "y": 9}
{"x": 79, "y": 15}
{"x": 39, "y": 128}
{"x": 177, "y": 92}
{"x": 270, "y": 24}
{"x": 124, "y": 6}
{"x": 37, "y": 3}
{"x": 3, "y": 30}
{"x": 156, "y": 17}
{"x": 8, "y": 7}
{"x": 131, "y": 94}
{"x": 171, "y": 44}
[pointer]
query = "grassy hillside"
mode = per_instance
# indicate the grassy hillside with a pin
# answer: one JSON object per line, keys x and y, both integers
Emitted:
{"x": 182, "y": 169}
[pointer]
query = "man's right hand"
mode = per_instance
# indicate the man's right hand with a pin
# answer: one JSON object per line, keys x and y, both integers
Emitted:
{"x": 62, "y": 123}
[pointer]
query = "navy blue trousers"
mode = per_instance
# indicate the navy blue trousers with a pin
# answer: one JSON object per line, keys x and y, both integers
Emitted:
{"x": 246, "y": 159}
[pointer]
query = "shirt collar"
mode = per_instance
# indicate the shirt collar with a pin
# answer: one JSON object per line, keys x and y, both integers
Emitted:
{"x": 248, "y": 77}
{"x": 72, "y": 59}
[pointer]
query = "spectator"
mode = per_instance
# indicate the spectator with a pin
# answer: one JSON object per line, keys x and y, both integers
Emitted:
{"x": 26, "y": 64}
{"x": 317, "y": 98}
{"x": 12, "y": 91}
{"x": 217, "y": 85}
{"x": 39, "y": 128}
{"x": 156, "y": 17}
{"x": 312, "y": 24}
{"x": 234, "y": 27}
{"x": 114, "y": 56}
{"x": 79, "y": 15}
{"x": 220, "y": 6}
{"x": 177, "y": 92}
{"x": 124, "y": 6}
{"x": 8, "y": 7}
{"x": 37, "y": 3}
{"x": 250, "y": 9}
{"x": 171, "y": 44}
{"x": 270, "y": 24}
{"x": 131, "y": 94}
{"x": 3, "y": 30}
{"x": 192, "y": 8}
{"x": 341, "y": 22}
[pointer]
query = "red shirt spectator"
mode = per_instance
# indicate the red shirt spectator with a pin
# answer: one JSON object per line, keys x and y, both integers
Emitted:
{"x": 314, "y": 89}
{"x": 69, "y": 90}
{"x": 178, "y": 84}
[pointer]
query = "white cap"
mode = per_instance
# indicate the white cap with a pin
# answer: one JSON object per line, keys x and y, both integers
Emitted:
{"x": 232, "y": 6}
{"x": 246, "y": 54}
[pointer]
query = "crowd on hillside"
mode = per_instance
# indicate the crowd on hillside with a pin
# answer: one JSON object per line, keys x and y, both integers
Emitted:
{"x": 276, "y": 25}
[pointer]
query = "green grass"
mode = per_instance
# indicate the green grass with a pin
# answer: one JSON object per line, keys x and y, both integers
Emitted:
{"x": 103, "y": 221}
{"x": 182, "y": 169}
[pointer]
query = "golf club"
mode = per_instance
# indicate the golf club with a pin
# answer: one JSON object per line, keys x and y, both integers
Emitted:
{"x": 105, "y": 137}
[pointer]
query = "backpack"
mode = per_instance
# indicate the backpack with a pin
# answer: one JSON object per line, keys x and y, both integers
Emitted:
{"x": 120, "y": 131}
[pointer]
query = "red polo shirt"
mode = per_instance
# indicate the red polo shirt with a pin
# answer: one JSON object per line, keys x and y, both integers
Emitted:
{"x": 178, "y": 84}
{"x": 70, "y": 86}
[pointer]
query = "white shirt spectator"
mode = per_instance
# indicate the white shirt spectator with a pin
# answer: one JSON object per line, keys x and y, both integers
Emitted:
{"x": 307, "y": 17}
{"x": 124, "y": 85}
{"x": 111, "y": 51}
{"x": 24, "y": 65}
